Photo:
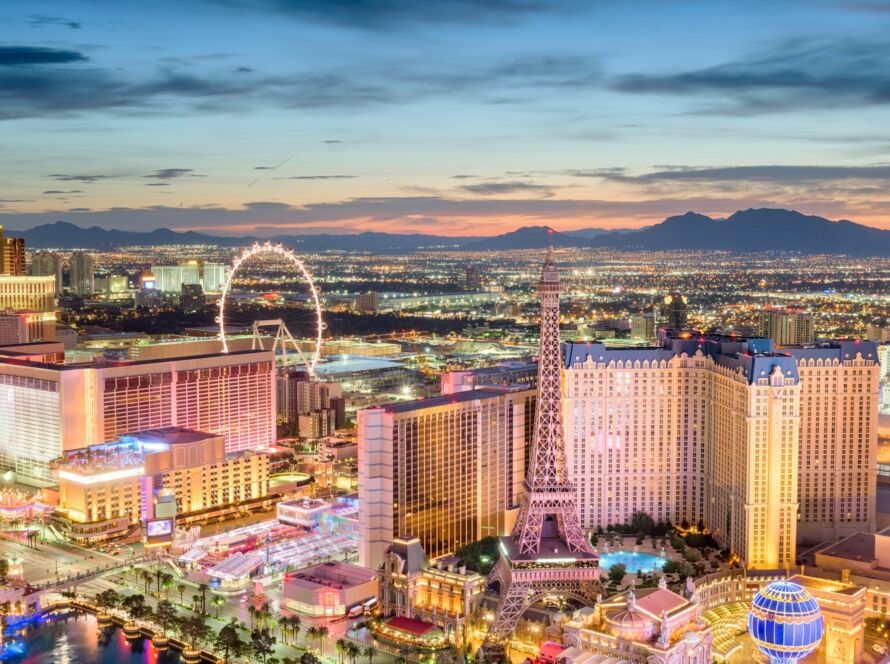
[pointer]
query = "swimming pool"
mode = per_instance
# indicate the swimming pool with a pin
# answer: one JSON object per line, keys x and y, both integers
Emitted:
{"x": 633, "y": 561}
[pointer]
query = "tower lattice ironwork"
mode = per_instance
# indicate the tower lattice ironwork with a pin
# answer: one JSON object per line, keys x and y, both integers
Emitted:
{"x": 547, "y": 553}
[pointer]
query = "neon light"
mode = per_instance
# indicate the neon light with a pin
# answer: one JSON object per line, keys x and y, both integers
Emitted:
{"x": 551, "y": 561}
{"x": 102, "y": 477}
{"x": 269, "y": 248}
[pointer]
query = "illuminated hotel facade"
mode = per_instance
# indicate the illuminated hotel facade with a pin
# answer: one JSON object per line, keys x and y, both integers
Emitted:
{"x": 766, "y": 448}
{"x": 105, "y": 490}
{"x": 50, "y": 407}
{"x": 447, "y": 470}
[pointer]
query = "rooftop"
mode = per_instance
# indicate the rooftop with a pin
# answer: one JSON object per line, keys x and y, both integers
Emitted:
{"x": 487, "y": 392}
{"x": 332, "y": 574}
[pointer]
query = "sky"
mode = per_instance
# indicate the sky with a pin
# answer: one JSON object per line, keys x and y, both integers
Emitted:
{"x": 451, "y": 117}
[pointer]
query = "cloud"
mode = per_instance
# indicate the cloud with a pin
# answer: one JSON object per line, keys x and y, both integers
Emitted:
{"x": 14, "y": 56}
{"x": 172, "y": 173}
{"x": 331, "y": 141}
{"x": 60, "y": 191}
{"x": 501, "y": 188}
{"x": 317, "y": 177}
{"x": 778, "y": 174}
{"x": 87, "y": 179}
{"x": 43, "y": 20}
{"x": 55, "y": 90}
{"x": 489, "y": 215}
{"x": 157, "y": 184}
{"x": 395, "y": 14}
{"x": 795, "y": 74}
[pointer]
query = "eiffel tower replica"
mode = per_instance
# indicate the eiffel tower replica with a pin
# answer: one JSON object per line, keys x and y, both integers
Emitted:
{"x": 547, "y": 554}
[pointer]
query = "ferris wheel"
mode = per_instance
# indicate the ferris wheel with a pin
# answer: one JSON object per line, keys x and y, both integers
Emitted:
{"x": 250, "y": 272}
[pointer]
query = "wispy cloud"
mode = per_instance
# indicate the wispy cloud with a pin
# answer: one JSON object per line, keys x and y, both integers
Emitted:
{"x": 43, "y": 20}
{"x": 777, "y": 174}
{"x": 316, "y": 177}
{"x": 87, "y": 179}
{"x": 172, "y": 174}
{"x": 501, "y": 188}
{"x": 794, "y": 74}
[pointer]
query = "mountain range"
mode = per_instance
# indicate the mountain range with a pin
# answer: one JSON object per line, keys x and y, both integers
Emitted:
{"x": 746, "y": 231}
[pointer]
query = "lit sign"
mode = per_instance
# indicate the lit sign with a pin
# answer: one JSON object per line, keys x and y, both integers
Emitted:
{"x": 555, "y": 561}
{"x": 159, "y": 528}
{"x": 110, "y": 476}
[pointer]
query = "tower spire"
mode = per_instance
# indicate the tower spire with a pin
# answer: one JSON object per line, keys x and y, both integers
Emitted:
{"x": 547, "y": 551}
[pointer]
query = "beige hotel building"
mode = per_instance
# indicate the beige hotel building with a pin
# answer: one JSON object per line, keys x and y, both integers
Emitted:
{"x": 767, "y": 447}
{"x": 447, "y": 470}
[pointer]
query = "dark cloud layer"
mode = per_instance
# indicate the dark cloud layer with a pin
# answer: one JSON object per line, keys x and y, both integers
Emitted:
{"x": 13, "y": 56}
{"x": 396, "y": 14}
{"x": 792, "y": 75}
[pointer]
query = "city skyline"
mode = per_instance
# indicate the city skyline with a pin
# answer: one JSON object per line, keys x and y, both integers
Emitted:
{"x": 455, "y": 118}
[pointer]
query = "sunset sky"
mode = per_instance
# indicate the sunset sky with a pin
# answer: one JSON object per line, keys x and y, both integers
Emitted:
{"x": 454, "y": 117}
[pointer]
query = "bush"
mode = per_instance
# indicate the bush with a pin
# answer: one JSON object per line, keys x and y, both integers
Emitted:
{"x": 640, "y": 538}
{"x": 616, "y": 573}
{"x": 692, "y": 555}
{"x": 480, "y": 556}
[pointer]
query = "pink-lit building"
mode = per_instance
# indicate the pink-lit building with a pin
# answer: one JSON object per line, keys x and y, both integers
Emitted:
{"x": 50, "y": 406}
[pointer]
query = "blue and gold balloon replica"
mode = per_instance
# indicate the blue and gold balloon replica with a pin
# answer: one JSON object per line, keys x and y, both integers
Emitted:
{"x": 785, "y": 622}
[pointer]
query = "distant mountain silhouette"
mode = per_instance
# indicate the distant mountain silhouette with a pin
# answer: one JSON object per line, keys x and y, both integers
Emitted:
{"x": 596, "y": 232}
{"x": 65, "y": 235}
{"x": 527, "y": 237}
{"x": 755, "y": 230}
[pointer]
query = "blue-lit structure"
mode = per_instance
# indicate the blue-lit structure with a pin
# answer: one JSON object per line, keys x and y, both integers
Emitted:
{"x": 785, "y": 622}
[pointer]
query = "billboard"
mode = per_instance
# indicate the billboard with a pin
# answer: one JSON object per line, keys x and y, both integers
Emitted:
{"x": 159, "y": 528}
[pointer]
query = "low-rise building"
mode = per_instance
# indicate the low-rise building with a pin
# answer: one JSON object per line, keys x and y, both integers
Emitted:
{"x": 322, "y": 593}
{"x": 652, "y": 625}
{"x": 444, "y": 593}
{"x": 154, "y": 479}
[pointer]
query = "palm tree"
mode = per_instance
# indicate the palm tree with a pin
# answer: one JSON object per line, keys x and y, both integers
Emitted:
{"x": 313, "y": 634}
{"x": 252, "y": 612}
{"x": 217, "y": 602}
{"x": 340, "y": 645}
{"x": 295, "y": 625}
{"x": 322, "y": 635}
{"x": 146, "y": 578}
{"x": 352, "y": 652}
{"x": 181, "y": 588}
{"x": 167, "y": 584}
{"x": 368, "y": 653}
{"x": 203, "y": 588}
{"x": 196, "y": 602}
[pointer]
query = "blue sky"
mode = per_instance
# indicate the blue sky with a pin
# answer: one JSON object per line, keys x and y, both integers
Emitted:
{"x": 446, "y": 116}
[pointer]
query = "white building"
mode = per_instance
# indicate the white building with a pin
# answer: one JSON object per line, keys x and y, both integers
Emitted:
{"x": 170, "y": 278}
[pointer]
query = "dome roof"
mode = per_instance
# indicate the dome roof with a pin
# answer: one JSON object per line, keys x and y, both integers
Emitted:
{"x": 785, "y": 621}
{"x": 630, "y": 618}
